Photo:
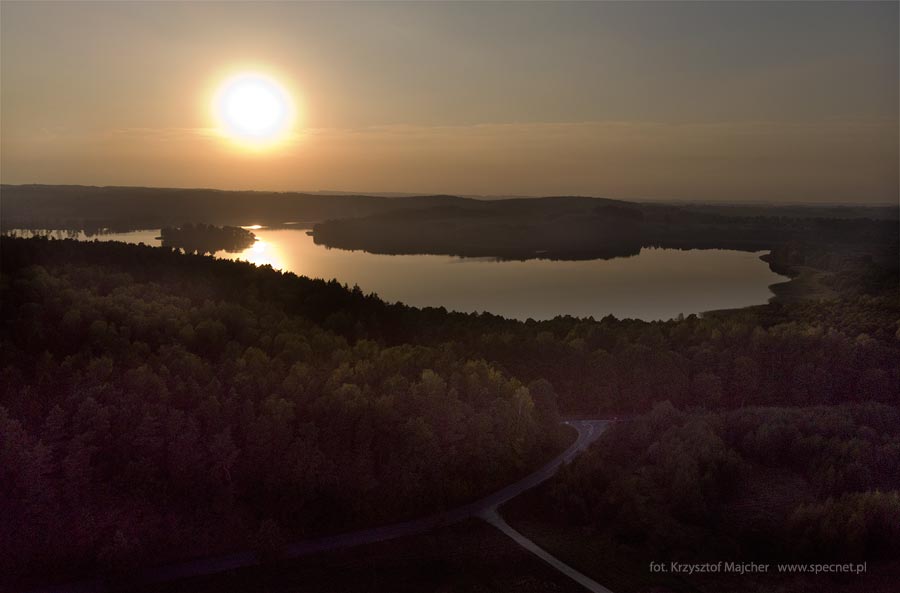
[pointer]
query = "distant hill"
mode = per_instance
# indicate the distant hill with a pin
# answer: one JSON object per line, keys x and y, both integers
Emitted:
{"x": 875, "y": 212}
{"x": 127, "y": 208}
{"x": 589, "y": 228}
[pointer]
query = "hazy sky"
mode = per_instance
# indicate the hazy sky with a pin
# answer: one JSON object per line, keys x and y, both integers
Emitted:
{"x": 706, "y": 101}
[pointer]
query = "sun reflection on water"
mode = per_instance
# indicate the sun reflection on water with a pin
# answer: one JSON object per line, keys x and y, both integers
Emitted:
{"x": 262, "y": 253}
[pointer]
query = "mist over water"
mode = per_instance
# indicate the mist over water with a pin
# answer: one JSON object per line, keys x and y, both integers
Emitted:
{"x": 656, "y": 284}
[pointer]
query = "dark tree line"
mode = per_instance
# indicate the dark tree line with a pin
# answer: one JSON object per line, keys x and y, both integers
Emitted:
{"x": 799, "y": 353}
{"x": 207, "y": 238}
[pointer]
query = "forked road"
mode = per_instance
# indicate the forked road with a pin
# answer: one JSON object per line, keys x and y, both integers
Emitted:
{"x": 485, "y": 508}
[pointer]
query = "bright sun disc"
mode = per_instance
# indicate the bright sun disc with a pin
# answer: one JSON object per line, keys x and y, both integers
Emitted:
{"x": 253, "y": 109}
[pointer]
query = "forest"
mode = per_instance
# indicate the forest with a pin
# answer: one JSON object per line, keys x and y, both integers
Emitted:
{"x": 157, "y": 404}
{"x": 807, "y": 471}
{"x": 146, "y": 416}
{"x": 756, "y": 484}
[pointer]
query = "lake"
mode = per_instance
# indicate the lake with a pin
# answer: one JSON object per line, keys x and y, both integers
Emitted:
{"x": 656, "y": 284}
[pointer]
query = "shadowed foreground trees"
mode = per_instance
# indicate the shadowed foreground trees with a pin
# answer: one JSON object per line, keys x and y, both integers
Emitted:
{"x": 765, "y": 485}
{"x": 140, "y": 421}
{"x": 156, "y": 404}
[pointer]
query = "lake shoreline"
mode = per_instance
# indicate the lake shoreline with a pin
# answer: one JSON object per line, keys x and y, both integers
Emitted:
{"x": 656, "y": 284}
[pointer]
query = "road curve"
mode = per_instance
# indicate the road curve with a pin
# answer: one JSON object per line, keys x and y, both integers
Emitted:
{"x": 588, "y": 432}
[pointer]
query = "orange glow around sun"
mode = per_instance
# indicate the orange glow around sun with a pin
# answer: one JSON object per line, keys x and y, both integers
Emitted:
{"x": 254, "y": 110}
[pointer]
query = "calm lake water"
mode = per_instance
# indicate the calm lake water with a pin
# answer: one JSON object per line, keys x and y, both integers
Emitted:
{"x": 657, "y": 284}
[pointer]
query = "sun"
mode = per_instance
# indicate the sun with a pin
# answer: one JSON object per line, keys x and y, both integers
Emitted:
{"x": 254, "y": 110}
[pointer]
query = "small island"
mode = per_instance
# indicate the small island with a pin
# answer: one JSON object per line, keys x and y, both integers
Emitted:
{"x": 207, "y": 238}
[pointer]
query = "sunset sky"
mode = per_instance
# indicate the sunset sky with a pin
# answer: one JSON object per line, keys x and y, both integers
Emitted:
{"x": 689, "y": 101}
